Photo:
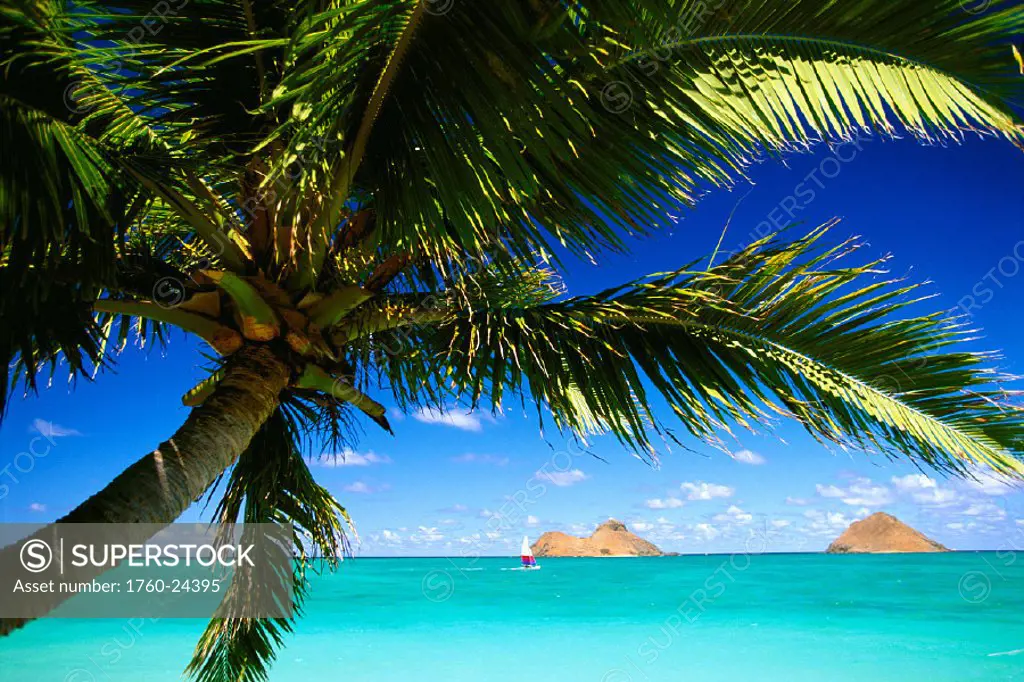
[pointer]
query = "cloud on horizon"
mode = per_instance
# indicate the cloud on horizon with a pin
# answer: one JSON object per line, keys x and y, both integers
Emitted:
{"x": 733, "y": 515}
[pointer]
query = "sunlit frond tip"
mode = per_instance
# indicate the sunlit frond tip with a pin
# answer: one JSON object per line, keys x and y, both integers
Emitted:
{"x": 833, "y": 344}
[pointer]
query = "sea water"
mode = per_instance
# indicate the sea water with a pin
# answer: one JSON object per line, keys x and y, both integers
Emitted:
{"x": 722, "y": 618}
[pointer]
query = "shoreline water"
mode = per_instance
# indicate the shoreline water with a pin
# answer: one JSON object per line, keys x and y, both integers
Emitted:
{"x": 771, "y": 618}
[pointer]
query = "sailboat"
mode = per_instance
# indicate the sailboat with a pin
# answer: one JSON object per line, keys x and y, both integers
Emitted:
{"x": 526, "y": 554}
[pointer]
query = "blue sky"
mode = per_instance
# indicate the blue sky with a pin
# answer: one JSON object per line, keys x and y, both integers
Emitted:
{"x": 466, "y": 484}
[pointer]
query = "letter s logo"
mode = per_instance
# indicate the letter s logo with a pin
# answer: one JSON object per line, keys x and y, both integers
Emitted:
{"x": 36, "y": 556}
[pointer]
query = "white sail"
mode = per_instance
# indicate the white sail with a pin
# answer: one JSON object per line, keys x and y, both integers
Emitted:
{"x": 526, "y": 551}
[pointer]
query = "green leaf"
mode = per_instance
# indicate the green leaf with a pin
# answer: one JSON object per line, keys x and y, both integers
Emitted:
{"x": 341, "y": 388}
{"x": 258, "y": 320}
{"x": 332, "y": 308}
{"x": 223, "y": 339}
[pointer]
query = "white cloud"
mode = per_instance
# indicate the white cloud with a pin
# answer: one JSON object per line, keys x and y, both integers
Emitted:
{"x": 989, "y": 482}
{"x": 913, "y": 482}
{"x": 1019, "y": 522}
{"x": 749, "y": 457}
{"x": 455, "y": 509}
{"x": 425, "y": 535}
{"x": 390, "y": 536}
{"x": 562, "y": 479}
{"x": 733, "y": 515}
{"x": 706, "y": 531}
{"x": 668, "y": 503}
{"x": 860, "y": 493}
{"x": 37, "y": 507}
{"x": 780, "y": 523}
{"x": 659, "y": 530}
{"x": 940, "y": 497}
{"x": 351, "y": 458}
{"x": 838, "y": 519}
{"x": 471, "y": 458}
{"x": 705, "y": 491}
{"x": 925, "y": 490}
{"x": 827, "y": 523}
{"x": 459, "y": 420}
{"x": 987, "y": 510}
{"x": 51, "y": 430}
{"x": 797, "y": 502}
{"x": 955, "y": 526}
{"x": 364, "y": 488}
{"x": 864, "y": 493}
{"x": 532, "y": 521}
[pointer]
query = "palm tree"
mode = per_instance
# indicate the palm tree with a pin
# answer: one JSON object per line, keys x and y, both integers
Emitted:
{"x": 353, "y": 198}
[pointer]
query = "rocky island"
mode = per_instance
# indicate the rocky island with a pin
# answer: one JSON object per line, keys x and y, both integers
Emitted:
{"x": 611, "y": 538}
{"x": 882, "y": 533}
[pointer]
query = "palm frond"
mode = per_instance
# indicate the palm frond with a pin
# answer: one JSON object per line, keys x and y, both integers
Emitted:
{"x": 778, "y": 329}
{"x": 271, "y": 483}
{"x": 44, "y": 323}
{"x": 50, "y": 308}
{"x": 182, "y": 74}
{"x": 61, "y": 193}
{"x": 829, "y": 70}
{"x": 500, "y": 126}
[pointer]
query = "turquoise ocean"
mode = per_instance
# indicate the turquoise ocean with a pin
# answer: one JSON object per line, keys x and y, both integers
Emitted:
{"x": 771, "y": 618}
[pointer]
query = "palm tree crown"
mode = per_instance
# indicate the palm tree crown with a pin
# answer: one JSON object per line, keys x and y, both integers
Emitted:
{"x": 360, "y": 202}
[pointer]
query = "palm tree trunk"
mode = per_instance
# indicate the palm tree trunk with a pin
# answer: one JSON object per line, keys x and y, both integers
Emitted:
{"x": 164, "y": 483}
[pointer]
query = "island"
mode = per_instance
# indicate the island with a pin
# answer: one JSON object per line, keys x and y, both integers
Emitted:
{"x": 611, "y": 539}
{"x": 882, "y": 533}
